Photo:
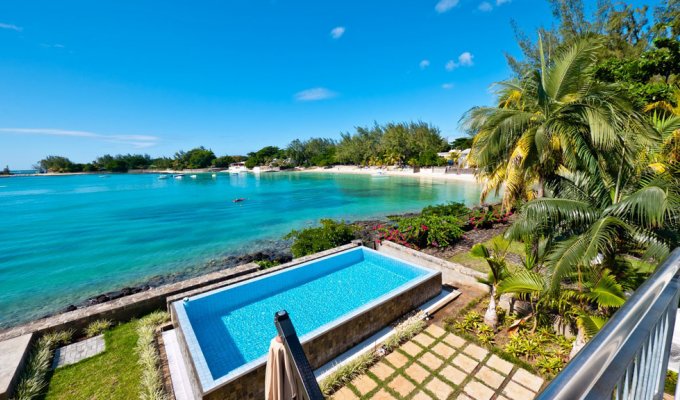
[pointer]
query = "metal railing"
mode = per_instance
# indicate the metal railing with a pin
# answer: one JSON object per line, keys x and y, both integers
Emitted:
{"x": 628, "y": 358}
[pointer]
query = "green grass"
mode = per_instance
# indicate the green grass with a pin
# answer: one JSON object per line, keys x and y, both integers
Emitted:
{"x": 480, "y": 264}
{"x": 113, "y": 374}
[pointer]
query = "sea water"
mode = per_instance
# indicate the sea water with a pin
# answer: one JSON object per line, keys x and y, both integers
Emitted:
{"x": 64, "y": 239}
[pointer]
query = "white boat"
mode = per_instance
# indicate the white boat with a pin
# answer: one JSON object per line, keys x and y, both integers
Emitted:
{"x": 179, "y": 176}
{"x": 163, "y": 176}
{"x": 257, "y": 170}
{"x": 192, "y": 176}
{"x": 214, "y": 175}
{"x": 237, "y": 168}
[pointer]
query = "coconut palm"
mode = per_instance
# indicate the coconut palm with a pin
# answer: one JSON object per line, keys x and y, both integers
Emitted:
{"x": 497, "y": 272}
{"x": 558, "y": 116}
{"x": 590, "y": 221}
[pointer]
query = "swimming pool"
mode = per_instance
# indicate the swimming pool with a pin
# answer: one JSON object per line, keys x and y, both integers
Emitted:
{"x": 227, "y": 331}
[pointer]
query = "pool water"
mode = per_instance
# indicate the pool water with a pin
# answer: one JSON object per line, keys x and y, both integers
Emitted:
{"x": 233, "y": 326}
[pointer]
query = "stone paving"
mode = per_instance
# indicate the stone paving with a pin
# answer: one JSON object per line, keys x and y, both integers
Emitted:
{"x": 439, "y": 365}
{"x": 79, "y": 351}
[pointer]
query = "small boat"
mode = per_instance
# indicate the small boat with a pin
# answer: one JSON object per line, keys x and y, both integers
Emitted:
{"x": 179, "y": 176}
{"x": 163, "y": 176}
{"x": 104, "y": 176}
{"x": 214, "y": 175}
{"x": 240, "y": 199}
{"x": 192, "y": 176}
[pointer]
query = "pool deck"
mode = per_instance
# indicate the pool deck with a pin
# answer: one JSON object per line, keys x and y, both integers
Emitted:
{"x": 436, "y": 364}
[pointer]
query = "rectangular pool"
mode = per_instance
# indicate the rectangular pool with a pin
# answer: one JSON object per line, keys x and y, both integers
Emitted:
{"x": 227, "y": 331}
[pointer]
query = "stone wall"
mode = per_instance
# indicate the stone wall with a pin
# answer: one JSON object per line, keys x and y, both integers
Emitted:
{"x": 328, "y": 345}
{"x": 452, "y": 273}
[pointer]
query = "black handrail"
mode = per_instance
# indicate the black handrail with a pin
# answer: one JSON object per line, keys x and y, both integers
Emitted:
{"x": 303, "y": 371}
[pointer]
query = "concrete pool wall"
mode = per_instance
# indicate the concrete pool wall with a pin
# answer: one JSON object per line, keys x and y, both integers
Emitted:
{"x": 320, "y": 348}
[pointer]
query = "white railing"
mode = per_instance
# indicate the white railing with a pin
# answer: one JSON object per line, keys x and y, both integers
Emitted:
{"x": 628, "y": 358}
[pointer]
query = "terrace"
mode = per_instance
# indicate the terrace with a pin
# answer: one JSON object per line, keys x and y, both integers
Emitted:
{"x": 430, "y": 360}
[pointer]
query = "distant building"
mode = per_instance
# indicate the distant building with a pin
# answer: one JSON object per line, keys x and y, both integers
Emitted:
{"x": 457, "y": 158}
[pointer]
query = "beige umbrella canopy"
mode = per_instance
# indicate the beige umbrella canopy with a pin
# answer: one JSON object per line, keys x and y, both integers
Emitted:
{"x": 280, "y": 382}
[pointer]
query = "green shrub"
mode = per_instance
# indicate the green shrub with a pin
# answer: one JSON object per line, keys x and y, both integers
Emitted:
{"x": 33, "y": 380}
{"x": 152, "y": 379}
{"x": 97, "y": 327}
{"x": 485, "y": 333}
{"x": 524, "y": 345}
{"x": 452, "y": 209}
{"x": 313, "y": 240}
{"x": 437, "y": 231}
{"x": 264, "y": 264}
{"x": 550, "y": 364}
{"x": 671, "y": 382}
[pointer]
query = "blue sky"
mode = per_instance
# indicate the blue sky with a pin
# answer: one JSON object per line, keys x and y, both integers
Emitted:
{"x": 84, "y": 78}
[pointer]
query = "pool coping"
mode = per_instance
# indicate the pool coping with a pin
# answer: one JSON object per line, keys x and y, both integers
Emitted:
{"x": 198, "y": 361}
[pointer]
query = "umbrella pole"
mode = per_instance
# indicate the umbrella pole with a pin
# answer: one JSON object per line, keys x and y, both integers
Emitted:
{"x": 303, "y": 371}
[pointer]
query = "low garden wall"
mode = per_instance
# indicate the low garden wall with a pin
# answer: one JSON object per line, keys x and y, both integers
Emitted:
{"x": 452, "y": 273}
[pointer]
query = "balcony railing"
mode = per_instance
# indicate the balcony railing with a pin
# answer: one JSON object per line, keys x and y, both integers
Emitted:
{"x": 628, "y": 358}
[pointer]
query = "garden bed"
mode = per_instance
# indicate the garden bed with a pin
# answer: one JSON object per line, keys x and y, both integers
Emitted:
{"x": 541, "y": 351}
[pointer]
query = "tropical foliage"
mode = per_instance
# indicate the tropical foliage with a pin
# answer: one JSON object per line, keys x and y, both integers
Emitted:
{"x": 584, "y": 142}
{"x": 327, "y": 235}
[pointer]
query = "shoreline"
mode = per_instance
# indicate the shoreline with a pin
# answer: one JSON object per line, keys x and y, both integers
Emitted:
{"x": 429, "y": 172}
{"x": 438, "y": 173}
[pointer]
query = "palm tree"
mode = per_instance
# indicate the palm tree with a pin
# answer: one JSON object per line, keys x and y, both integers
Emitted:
{"x": 590, "y": 221}
{"x": 497, "y": 272}
{"x": 558, "y": 116}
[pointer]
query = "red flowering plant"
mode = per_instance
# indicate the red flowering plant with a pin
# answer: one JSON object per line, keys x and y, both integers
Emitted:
{"x": 423, "y": 231}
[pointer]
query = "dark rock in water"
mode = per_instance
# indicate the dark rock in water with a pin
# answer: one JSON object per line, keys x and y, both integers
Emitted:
{"x": 70, "y": 307}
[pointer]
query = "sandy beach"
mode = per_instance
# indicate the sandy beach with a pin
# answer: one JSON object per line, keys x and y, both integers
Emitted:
{"x": 429, "y": 173}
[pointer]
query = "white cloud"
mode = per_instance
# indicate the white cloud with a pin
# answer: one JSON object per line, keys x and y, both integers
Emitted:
{"x": 137, "y": 141}
{"x": 447, "y": 86}
{"x": 337, "y": 32}
{"x": 445, "y": 5}
{"x": 424, "y": 64}
{"x": 485, "y": 6}
{"x": 501, "y": 2}
{"x": 464, "y": 60}
{"x": 10, "y": 26}
{"x": 315, "y": 94}
{"x": 56, "y": 45}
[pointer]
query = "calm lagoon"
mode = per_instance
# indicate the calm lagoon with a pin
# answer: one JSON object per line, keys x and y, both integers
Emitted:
{"x": 67, "y": 238}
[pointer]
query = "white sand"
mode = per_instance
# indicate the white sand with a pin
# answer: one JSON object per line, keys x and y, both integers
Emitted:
{"x": 430, "y": 173}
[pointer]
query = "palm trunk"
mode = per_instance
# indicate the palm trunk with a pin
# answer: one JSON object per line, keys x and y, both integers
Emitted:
{"x": 619, "y": 177}
{"x": 578, "y": 343}
{"x": 541, "y": 188}
{"x": 491, "y": 317}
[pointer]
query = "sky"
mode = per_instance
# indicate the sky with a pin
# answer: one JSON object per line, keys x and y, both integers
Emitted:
{"x": 86, "y": 78}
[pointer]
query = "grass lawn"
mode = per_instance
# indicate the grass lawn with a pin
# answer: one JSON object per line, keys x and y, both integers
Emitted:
{"x": 113, "y": 374}
{"x": 480, "y": 264}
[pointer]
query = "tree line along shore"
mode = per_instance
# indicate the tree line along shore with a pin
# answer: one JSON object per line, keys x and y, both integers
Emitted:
{"x": 414, "y": 144}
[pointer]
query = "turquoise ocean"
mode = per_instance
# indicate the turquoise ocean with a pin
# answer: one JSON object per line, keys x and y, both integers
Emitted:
{"x": 67, "y": 238}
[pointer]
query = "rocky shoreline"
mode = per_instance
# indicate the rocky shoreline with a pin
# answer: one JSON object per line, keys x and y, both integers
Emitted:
{"x": 279, "y": 253}
{"x": 276, "y": 251}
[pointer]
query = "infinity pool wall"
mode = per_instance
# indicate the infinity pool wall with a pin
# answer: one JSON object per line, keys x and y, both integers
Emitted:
{"x": 321, "y": 345}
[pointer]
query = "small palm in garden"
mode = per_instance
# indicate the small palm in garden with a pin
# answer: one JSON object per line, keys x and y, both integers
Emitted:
{"x": 497, "y": 272}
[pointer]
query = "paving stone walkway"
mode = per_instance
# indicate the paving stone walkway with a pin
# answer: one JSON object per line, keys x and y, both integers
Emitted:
{"x": 439, "y": 365}
{"x": 75, "y": 352}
